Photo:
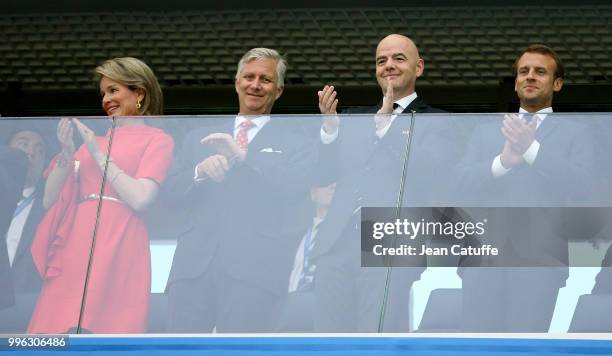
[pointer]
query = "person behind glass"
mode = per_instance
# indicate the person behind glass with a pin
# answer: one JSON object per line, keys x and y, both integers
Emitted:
{"x": 365, "y": 157}
{"x": 242, "y": 181}
{"x": 117, "y": 295}
{"x": 302, "y": 274}
{"x": 297, "y": 315}
{"x": 29, "y": 211}
{"x": 532, "y": 159}
{"x": 603, "y": 281}
{"x": 13, "y": 168}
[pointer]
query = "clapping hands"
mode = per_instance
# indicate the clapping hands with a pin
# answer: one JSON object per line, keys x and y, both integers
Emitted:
{"x": 383, "y": 116}
{"x": 519, "y": 137}
{"x": 65, "y": 135}
{"x": 216, "y": 166}
{"x": 327, "y": 105}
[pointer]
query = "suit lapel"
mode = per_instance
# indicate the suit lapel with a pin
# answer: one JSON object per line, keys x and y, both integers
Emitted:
{"x": 403, "y": 123}
{"x": 264, "y": 137}
{"x": 228, "y": 127}
{"x": 418, "y": 105}
{"x": 546, "y": 127}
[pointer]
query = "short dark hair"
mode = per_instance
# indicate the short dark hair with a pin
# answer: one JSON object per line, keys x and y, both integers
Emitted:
{"x": 545, "y": 50}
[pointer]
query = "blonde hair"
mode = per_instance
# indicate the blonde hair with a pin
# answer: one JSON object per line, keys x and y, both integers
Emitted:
{"x": 135, "y": 74}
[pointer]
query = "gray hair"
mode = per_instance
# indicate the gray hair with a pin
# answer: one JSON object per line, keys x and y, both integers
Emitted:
{"x": 265, "y": 53}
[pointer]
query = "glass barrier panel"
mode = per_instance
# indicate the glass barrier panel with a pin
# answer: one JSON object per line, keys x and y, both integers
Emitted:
{"x": 507, "y": 223}
{"x": 244, "y": 259}
{"x": 204, "y": 227}
{"x": 47, "y": 222}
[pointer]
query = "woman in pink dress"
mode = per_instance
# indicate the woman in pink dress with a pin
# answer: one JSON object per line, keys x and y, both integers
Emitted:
{"x": 117, "y": 292}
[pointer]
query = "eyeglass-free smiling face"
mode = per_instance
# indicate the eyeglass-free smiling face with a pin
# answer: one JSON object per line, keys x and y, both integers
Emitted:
{"x": 535, "y": 81}
{"x": 118, "y": 99}
{"x": 257, "y": 87}
{"x": 398, "y": 63}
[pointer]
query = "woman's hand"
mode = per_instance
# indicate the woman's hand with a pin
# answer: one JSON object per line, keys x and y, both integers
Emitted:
{"x": 65, "y": 134}
{"x": 89, "y": 137}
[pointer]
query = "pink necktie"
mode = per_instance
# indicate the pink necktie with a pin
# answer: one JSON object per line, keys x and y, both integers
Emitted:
{"x": 242, "y": 137}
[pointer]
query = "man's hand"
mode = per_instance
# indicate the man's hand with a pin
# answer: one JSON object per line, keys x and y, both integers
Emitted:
{"x": 383, "y": 116}
{"x": 226, "y": 146}
{"x": 510, "y": 158}
{"x": 327, "y": 106}
{"x": 387, "y": 105}
{"x": 327, "y": 100}
{"x": 519, "y": 134}
{"x": 213, "y": 167}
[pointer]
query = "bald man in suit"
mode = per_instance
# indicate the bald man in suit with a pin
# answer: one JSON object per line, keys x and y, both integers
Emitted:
{"x": 365, "y": 154}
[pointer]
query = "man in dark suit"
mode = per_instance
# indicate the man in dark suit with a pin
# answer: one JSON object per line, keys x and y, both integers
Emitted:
{"x": 298, "y": 314}
{"x": 603, "y": 281}
{"x": 13, "y": 168}
{"x": 243, "y": 181}
{"x": 531, "y": 159}
{"x": 366, "y": 155}
{"x": 29, "y": 212}
{"x": 22, "y": 225}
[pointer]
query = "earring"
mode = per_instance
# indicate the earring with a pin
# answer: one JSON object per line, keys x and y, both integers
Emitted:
{"x": 138, "y": 106}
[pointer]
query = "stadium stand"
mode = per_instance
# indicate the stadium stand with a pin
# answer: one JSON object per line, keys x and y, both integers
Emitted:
{"x": 461, "y": 45}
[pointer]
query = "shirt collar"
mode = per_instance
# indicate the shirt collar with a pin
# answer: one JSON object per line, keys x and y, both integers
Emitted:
{"x": 541, "y": 114}
{"x": 259, "y": 121}
{"x": 547, "y": 110}
{"x": 28, "y": 191}
{"x": 405, "y": 102}
{"x": 316, "y": 221}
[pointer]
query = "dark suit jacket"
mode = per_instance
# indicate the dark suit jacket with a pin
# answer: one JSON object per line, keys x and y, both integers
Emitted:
{"x": 13, "y": 168}
{"x": 248, "y": 222}
{"x": 26, "y": 278}
{"x": 603, "y": 281}
{"x": 368, "y": 170}
{"x": 560, "y": 176}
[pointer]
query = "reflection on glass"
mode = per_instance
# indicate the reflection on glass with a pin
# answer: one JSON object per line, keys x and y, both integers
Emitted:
{"x": 24, "y": 151}
{"x": 243, "y": 253}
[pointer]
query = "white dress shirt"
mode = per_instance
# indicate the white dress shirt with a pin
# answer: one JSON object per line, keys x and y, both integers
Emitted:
{"x": 258, "y": 122}
{"x": 402, "y": 104}
{"x": 298, "y": 263}
{"x": 13, "y": 236}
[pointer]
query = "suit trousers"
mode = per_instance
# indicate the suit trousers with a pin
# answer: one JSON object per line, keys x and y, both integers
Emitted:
{"x": 216, "y": 301}
{"x": 349, "y": 298}
{"x": 504, "y": 299}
